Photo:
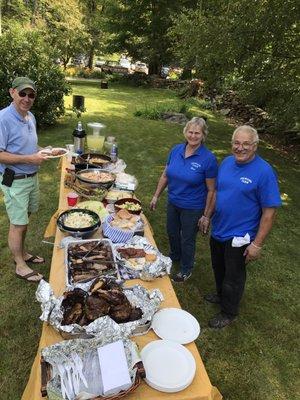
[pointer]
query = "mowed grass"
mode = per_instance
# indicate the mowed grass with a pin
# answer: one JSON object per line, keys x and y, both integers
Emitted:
{"x": 257, "y": 357}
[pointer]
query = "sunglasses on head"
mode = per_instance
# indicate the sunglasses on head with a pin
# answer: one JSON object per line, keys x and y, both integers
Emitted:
{"x": 24, "y": 94}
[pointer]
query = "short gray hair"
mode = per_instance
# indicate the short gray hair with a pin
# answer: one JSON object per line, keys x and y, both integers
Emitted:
{"x": 198, "y": 121}
{"x": 249, "y": 129}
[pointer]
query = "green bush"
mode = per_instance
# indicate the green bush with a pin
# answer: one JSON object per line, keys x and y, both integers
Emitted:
{"x": 25, "y": 53}
{"x": 83, "y": 72}
{"x": 155, "y": 112}
{"x": 96, "y": 74}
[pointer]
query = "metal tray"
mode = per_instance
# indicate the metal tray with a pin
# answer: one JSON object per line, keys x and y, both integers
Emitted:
{"x": 70, "y": 243}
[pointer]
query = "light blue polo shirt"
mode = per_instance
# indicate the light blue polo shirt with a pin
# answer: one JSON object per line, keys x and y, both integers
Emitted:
{"x": 18, "y": 136}
{"x": 186, "y": 176}
{"x": 243, "y": 189}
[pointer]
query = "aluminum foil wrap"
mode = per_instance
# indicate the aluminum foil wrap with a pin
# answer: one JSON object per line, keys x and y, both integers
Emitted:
{"x": 61, "y": 352}
{"x": 44, "y": 295}
{"x": 117, "y": 167}
{"x": 52, "y": 312}
{"x": 151, "y": 270}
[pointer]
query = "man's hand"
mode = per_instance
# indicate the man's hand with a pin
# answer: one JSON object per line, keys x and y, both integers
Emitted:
{"x": 153, "y": 203}
{"x": 203, "y": 224}
{"x": 37, "y": 158}
{"x": 252, "y": 252}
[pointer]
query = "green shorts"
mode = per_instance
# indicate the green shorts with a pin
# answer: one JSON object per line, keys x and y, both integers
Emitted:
{"x": 21, "y": 199}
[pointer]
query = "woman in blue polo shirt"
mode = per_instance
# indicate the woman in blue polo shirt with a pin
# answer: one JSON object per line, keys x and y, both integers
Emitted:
{"x": 190, "y": 176}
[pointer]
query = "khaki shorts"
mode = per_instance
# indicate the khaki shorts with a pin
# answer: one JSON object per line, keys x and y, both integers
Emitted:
{"x": 21, "y": 199}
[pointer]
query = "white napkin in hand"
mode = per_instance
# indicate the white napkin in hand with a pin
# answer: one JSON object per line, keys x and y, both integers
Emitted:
{"x": 239, "y": 241}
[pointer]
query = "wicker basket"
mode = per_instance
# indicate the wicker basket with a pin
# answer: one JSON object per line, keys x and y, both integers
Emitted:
{"x": 46, "y": 375}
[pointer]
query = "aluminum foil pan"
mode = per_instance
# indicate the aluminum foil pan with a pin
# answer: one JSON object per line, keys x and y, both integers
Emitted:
{"x": 138, "y": 296}
{"x": 63, "y": 351}
{"x": 150, "y": 270}
{"x": 112, "y": 271}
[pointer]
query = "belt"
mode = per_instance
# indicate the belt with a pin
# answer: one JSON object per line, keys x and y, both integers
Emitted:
{"x": 24, "y": 176}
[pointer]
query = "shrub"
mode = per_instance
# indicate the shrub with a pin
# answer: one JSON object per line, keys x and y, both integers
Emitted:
{"x": 156, "y": 111}
{"x": 25, "y": 53}
{"x": 96, "y": 74}
{"x": 71, "y": 71}
{"x": 83, "y": 72}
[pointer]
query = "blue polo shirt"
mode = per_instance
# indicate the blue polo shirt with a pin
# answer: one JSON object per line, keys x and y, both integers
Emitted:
{"x": 18, "y": 136}
{"x": 242, "y": 191}
{"x": 186, "y": 176}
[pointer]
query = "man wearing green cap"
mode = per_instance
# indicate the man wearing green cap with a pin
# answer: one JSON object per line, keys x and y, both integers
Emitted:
{"x": 19, "y": 163}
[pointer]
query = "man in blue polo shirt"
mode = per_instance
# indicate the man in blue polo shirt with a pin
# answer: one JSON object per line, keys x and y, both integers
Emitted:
{"x": 19, "y": 163}
{"x": 246, "y": 201}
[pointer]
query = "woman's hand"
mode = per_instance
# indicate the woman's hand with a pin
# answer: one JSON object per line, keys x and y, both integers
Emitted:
{"x": 203, "y": 224}
{"x": 153, "y": 203}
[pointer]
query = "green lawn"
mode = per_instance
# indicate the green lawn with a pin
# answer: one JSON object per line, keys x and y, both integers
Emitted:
{"x": 257, "y": 357}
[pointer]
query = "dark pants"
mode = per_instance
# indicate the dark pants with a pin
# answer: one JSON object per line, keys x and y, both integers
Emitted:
{"x": 230, "y": 273}
{"x": 182, "y": 228}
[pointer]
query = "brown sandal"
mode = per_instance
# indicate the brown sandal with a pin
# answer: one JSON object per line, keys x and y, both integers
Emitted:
{"x": 25, "y": 277}
{"x": 35, "y": 260}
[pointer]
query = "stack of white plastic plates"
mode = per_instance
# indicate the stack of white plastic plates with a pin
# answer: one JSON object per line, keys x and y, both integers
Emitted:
{"x": 176, "y": 325}
{"x": 169, "y": 366}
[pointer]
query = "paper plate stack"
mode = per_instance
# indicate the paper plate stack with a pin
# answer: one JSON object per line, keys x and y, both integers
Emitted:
{"x": 161, "y": 358}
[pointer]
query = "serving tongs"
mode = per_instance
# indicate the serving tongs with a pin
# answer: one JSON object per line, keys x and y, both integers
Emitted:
{"x": 89, "y": 252}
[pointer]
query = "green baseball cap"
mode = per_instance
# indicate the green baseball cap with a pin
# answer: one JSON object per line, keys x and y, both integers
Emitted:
{"x": 22, "y": 82}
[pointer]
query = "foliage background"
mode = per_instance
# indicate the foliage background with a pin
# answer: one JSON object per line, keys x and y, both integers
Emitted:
{"x": 249, "y": 46}
{"x": 25, "y": 53}
{"x": 252, "y": 47}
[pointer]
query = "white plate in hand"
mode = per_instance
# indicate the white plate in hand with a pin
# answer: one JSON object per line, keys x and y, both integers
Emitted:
{"x": 48, "y": 152}
{"x": 176, "y": 325}
{"x": 169, "y": 366}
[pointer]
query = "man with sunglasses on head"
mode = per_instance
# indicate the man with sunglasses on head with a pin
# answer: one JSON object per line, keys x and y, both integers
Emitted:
{"x": 19, "y": 163}
{"x": 247, "y": 196}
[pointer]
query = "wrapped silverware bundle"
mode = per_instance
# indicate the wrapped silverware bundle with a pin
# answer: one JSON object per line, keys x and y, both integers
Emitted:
{"x": 86, "y": 369}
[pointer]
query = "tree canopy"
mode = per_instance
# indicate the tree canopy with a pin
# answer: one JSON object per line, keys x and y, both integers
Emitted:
{"x": 250, "y": 46}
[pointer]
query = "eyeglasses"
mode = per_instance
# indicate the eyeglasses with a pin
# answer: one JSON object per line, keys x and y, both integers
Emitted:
{"x": 245, "y": 145}
{"x": 29, "y": 95}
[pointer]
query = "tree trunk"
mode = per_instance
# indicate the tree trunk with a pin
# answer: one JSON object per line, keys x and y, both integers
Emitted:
{"x": 186, "y": 73}
{"x": 154, "y": 67}
{"x": 34, "y": 12}
{"x": 91, "y": 56}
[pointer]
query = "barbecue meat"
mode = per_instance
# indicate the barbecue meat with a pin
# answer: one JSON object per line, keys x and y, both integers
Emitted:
{"x": 136, "y": 313}
{"x": 106, "y": 298}
{"x": 113, "y": 296}
{"x": 73, "y": 304}
{"x": 73, "y": 315}
{"x": 121, "y": 312}
{"x": 131, "y": 252}
{"x": 96, "y": 307}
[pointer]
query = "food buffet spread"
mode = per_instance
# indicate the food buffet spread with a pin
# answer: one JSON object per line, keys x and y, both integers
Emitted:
{"x": 113, "y": 326}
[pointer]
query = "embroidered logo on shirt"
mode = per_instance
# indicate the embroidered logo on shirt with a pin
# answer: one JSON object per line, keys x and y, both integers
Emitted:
{"x": 195, "y": 166}
{"x": 245, "y": 180}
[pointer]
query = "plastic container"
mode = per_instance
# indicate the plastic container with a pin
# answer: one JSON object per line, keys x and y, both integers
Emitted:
{"x": 114, "y": 152}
